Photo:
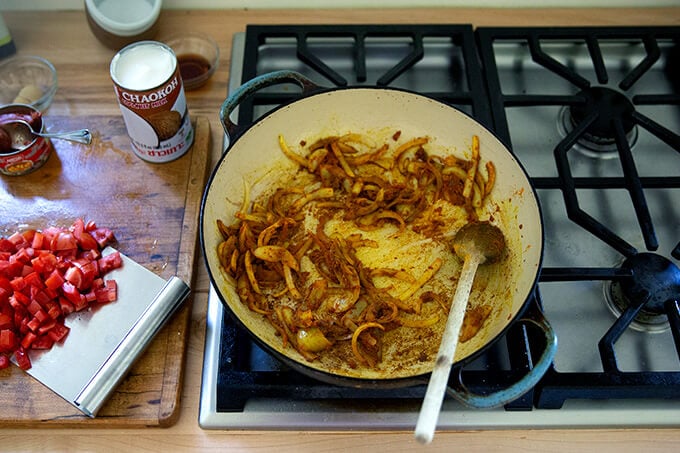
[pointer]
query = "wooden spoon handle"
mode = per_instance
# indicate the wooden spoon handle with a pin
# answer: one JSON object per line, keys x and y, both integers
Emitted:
{"x": 434, "y": 395}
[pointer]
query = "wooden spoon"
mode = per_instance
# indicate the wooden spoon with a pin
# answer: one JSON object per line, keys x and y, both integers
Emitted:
{"x": 475, "y": 243}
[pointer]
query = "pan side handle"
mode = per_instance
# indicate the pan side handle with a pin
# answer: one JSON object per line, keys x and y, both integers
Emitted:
{"x": 256, "y": 84}
{"x": 526, "y": 383}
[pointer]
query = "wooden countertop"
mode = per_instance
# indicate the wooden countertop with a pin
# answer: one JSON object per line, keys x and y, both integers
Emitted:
{"x": 85, "y": 89}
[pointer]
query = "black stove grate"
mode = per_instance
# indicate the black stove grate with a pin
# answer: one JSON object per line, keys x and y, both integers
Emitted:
{"x": 565, "y": 181}
{"x": 409, "y": 43}
{"x": 246, "y": 371}
{"x": 613, "y": 117}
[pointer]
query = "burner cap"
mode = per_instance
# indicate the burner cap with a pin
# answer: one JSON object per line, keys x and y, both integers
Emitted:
{"x": 610, "y": 105}
{"x": 655, "y": 279}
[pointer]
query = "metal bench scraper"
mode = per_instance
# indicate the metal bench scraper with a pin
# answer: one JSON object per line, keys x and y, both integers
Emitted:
{"x": 105, "y": 340}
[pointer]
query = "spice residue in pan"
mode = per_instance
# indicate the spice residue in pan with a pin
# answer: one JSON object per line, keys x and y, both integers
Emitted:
{"x": 348, "y": 257}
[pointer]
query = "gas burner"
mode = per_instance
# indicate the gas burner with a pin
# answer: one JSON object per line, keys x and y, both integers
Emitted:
{"x": 655, "y": 280}
{"x": 599, "y": 139}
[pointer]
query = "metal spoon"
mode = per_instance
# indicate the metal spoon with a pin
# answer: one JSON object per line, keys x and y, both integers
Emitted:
{"x": 475, "y": 244}
{"x": 22, "y": 133}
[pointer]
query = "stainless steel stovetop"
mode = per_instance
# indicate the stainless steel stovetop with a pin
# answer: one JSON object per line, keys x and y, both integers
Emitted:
{"x": 600, "y": 206}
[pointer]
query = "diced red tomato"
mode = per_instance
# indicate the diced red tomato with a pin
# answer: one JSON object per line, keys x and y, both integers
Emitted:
{"x": 5, "y": 321}
{"x": 55, "y": 280}
{"x": 33, "y": 324}
{"x": 43, "y": 342}
{"x": 28, "y": 235}
{"x": 44, "y": 263}
{"x": 44, "y": 277}
{"x": 4, "y": 295}
{"x": 90, "y": 255}
{"x": 22, "y": 298}
{"x": 28, "y": 340}
{"x": 25, "y": 270}
{"x": 103, "y": 236}
{"x": 18, "y": 240}
{"x": 74, "y": 276}
{"x": 53, "y": 309}
{"x": 11, "y": 268}
{"x": 6, "y": 245}
{"x": 85, "y": 240}
{"x": 14, "y": 303}
{"x": 8, "y": 340}
{"x": 66, "y": 307}
{"x": 18, "y": 283}
{"x": 38, "y": 240}
{"x": 71, "y": 292}
{"x": 34, "y": 307}
{"x": 24, "y": 255}
{"x": 59, "y": 332}
{"x": 63, "y": 240}
{"x": 108, "y": 293}
{"x": 78, "y": 227}
{"x": 81, "y": 304}
{"x": 34, "y": 280}
{"x": 50, "y": 233}
{"x": 109, "y": 262}
{"x": 46, "y": 326}
{"x": 89, "y": 269}
{"x": 5, "y": 283}
{"x": 22, "y": 358}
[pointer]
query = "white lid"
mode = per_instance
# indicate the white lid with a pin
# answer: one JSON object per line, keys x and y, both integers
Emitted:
{"x": 124, "y": 17}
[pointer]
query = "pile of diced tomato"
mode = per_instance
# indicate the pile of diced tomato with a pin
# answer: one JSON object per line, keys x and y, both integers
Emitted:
{"x": 45, "y": 276}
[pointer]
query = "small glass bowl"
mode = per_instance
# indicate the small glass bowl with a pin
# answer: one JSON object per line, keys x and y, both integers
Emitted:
{"x": 29, "y": 80}
{"x": 198, "y": 56}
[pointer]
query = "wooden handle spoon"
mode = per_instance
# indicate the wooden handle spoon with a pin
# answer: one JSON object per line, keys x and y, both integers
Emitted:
{"x": 475, "y": 243}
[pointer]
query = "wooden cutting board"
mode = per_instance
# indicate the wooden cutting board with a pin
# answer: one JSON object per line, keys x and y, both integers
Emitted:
{"x": 153, "y": 210}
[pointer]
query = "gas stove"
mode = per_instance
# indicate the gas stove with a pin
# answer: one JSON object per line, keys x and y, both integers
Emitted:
{"x": 593, "y": 114}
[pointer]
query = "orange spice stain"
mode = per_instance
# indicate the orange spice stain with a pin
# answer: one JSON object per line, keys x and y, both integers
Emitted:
{"x": 101, "y": 145}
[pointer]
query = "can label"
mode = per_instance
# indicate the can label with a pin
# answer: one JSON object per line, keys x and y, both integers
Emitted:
{"x": 26, "y": 160}
{"x": 149, "y": 89}
{"x": 33, "y": 154}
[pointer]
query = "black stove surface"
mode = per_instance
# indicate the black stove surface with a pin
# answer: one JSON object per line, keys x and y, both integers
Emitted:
{"x": 594, "y": 116}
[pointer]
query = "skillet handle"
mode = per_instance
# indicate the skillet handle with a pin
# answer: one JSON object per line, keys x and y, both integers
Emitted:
{"x": 461, "y": 393}
{"x": 255, "y": 84}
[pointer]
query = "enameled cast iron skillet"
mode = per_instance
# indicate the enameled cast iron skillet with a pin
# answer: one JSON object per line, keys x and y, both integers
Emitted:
{"x": 251, "y": 153}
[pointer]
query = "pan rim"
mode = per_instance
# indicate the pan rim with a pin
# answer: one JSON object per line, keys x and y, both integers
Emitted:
{"x": 327, "y": 375}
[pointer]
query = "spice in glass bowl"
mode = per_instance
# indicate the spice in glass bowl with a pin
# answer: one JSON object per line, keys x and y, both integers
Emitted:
{"x": 198, "y": 56}
{"x": 29, "y": 80}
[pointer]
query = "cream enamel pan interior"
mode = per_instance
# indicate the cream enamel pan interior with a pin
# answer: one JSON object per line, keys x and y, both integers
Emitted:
{"x": 255, "y": 158}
